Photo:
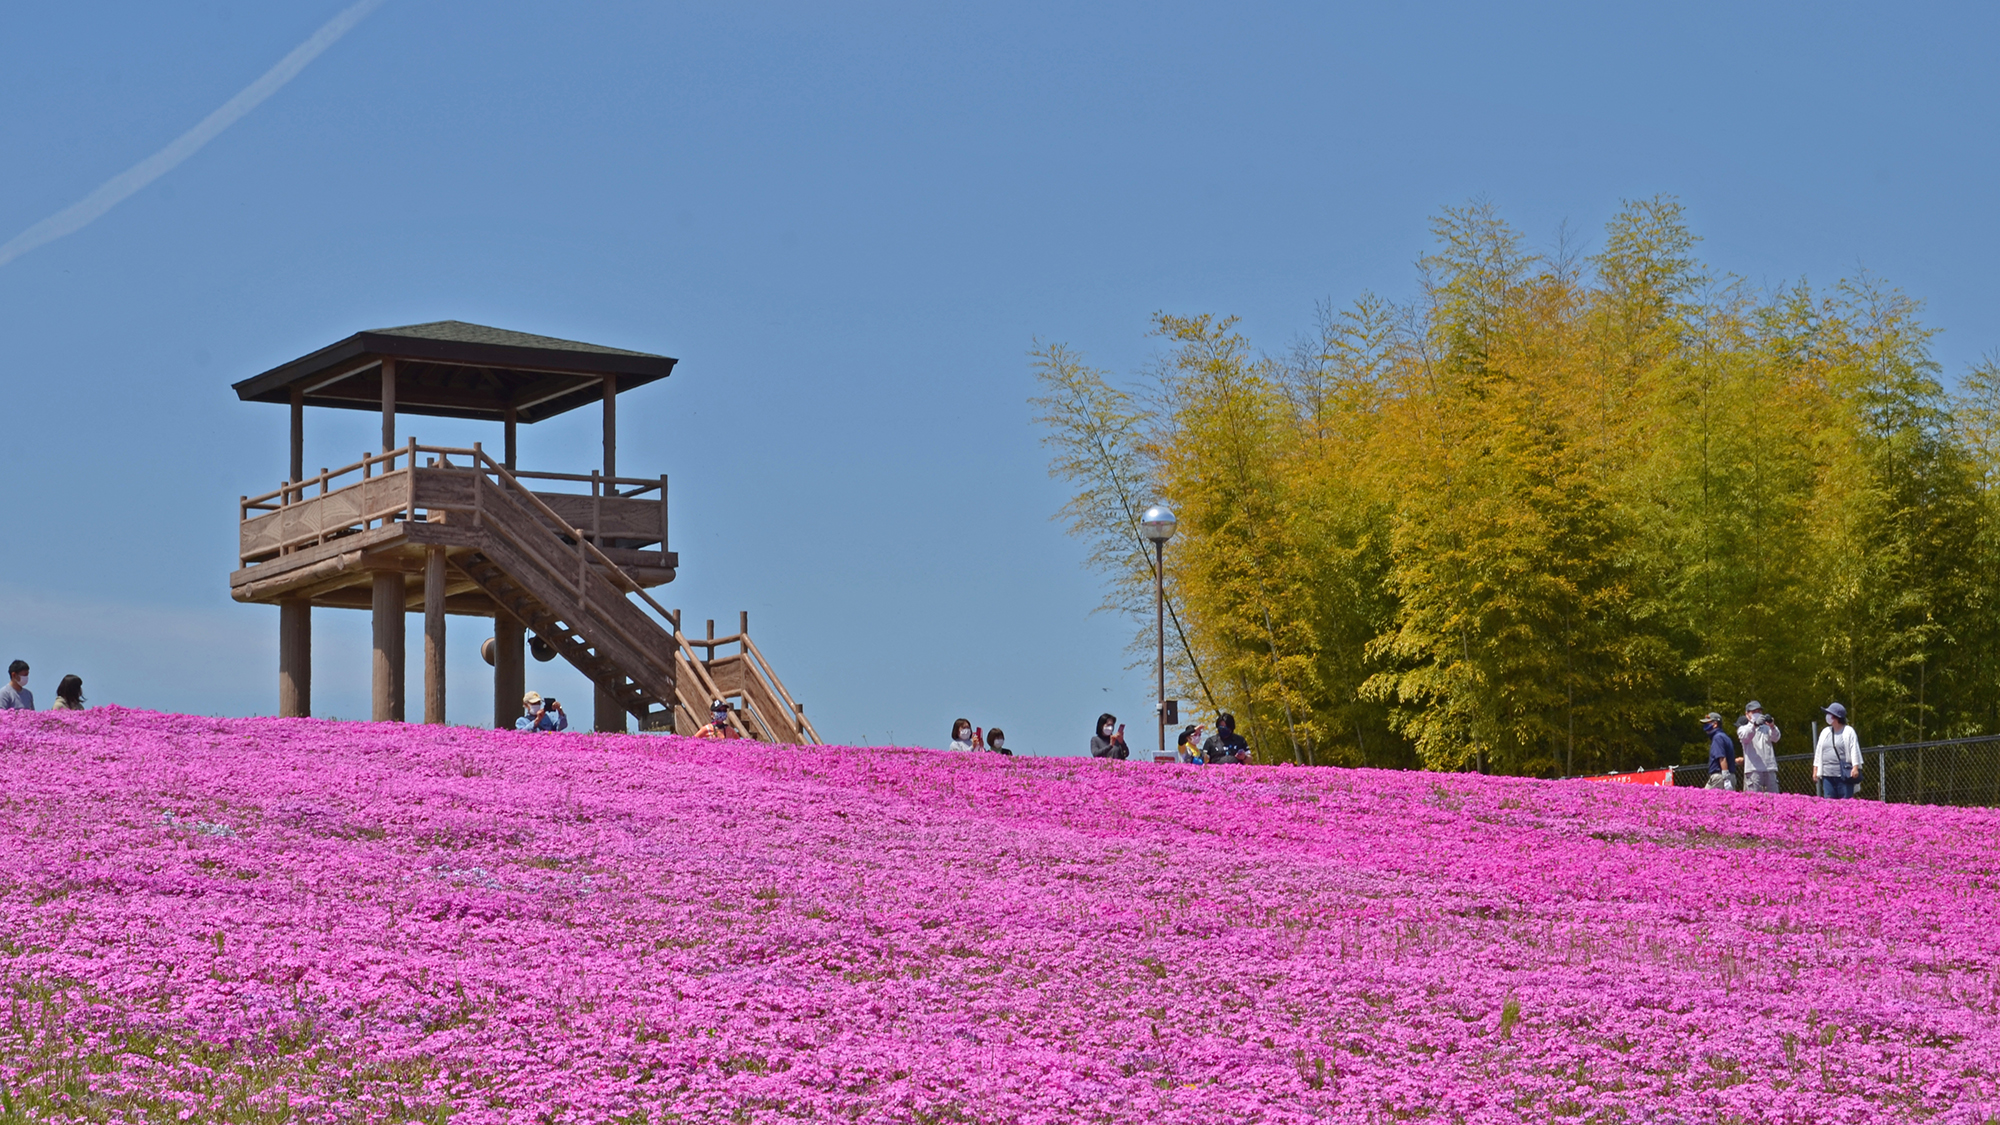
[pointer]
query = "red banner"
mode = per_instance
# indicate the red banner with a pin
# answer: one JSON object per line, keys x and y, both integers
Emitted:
{"x": 1643, "y": 777}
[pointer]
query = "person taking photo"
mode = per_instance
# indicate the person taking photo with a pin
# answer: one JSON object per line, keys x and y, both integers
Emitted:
{"x": 540, "y": 715}
{"x": 1109, "y": 739}
{"x": 1758, "y": 733}
{"x": 718, "y": 727}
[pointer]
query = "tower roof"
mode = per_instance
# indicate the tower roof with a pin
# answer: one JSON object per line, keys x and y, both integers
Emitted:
{"x": 451, "y": 369}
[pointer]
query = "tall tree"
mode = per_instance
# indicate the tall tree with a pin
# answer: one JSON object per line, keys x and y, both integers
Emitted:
{"x": 1547, "y": 514}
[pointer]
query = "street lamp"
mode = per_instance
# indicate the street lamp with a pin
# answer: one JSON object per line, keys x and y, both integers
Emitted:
{"x": 1158, "y": 525}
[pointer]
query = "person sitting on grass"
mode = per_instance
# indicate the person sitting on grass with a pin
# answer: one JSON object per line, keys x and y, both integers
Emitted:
{"x": 718, "y": 727}
{"x": 16, "y": 696}
{"x": 69, "y": 694}
{"x": 539, "y": 716}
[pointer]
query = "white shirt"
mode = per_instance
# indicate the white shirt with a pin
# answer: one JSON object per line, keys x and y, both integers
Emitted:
{"x": 1827, "y": 754}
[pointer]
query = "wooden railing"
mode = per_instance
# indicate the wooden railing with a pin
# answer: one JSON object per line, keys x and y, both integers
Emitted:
{"x": 761, "y": 679}
{"x": 686, "y": 665}
{"x": 380, "y": 489}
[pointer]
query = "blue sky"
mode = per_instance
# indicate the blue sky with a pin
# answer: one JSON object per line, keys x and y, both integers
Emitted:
{"x": 849, "y": 223}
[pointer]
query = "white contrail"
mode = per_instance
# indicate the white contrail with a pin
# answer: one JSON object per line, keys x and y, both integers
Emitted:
{"x": 82, "y": 213}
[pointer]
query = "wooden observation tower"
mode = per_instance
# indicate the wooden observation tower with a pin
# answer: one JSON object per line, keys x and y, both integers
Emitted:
{"x": 556, "y": 557}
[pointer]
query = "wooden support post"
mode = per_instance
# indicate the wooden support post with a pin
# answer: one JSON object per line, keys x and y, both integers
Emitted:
{"x": 294, "y": 659}
{"x": 610, "y": 427}
{"x": 513, "y": 417}
{"x": 434, "y": 636}
{"x": 388, "y": 678}
{"x": 388, "y": 405}
{"x": 298, "y": 437}
{"x": 510, "y": 674}
{"x": 743, "y": 632}
{"x": 607, "y": 715}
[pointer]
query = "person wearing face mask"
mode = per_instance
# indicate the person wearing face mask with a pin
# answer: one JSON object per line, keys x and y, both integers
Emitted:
{"x": 1109, "y": 741}
{"x": 996, "y": 741}
{"x": 1225, "y": 746}
{"x": 964, "y": 736}
{"x": 537, "y": 715}
{"x": 1758, "y": 735}
{"x": 1837, "y": 755}
{"x": 16, "y": 696}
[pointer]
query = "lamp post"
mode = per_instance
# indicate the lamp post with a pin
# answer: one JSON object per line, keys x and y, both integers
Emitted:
{"x": 1158, "y": 525}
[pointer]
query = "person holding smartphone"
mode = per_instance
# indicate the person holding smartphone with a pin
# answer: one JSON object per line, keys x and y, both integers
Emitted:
{"x": 964, "y": 736}
{"x": 1108, "y": 741}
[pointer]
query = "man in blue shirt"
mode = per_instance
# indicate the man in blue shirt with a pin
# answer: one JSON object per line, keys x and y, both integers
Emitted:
{"x": 537, "y": 716}
{"x": 1721, "y": 753}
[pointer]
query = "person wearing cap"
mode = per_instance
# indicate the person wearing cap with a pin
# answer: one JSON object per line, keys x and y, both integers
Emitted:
{"x": 1721, "y": 753}
{"x": 1187, "y": 746}
{"x": 538, "y": 715}
{"x": 1837, "y": 756}
{"x": 718, "y": 723}
{"x": 1759, "y": 735}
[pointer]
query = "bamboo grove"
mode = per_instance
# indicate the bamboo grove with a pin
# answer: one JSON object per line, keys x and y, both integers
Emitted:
{"x": 1544, "y": 516}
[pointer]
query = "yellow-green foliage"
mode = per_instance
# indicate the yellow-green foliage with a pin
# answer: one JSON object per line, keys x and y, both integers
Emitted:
{"x": 1544, "y": 516}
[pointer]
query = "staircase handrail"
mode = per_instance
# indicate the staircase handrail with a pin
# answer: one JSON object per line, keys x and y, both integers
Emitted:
{"x": 708, "y": 684}
{"x": 584, "y": 546}
{"x": 795, "y": 714}
{"x": 564, "y": 582}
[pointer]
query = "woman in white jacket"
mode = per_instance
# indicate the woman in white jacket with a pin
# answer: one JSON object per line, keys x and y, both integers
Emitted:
{"x": 1837, "y": 755}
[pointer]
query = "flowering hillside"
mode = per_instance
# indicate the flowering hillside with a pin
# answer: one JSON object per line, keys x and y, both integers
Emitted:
{"x": 265, "y": 920}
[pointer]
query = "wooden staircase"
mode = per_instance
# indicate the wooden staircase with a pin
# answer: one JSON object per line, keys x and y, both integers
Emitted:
{"x": 549, "y": 576}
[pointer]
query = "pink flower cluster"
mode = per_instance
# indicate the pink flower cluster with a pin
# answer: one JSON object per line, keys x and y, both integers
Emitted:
{"x": 298, "y": 920}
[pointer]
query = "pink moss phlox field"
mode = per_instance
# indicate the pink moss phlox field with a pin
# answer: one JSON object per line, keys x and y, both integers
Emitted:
{"x": 342, "y": 921}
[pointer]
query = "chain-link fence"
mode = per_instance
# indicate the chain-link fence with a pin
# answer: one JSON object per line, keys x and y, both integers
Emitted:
{"x": 1953, "y": 771}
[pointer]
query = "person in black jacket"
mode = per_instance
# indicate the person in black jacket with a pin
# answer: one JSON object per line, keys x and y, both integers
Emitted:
{"x": 1109, "y": 739}
{"x": 1225, "y": 746}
